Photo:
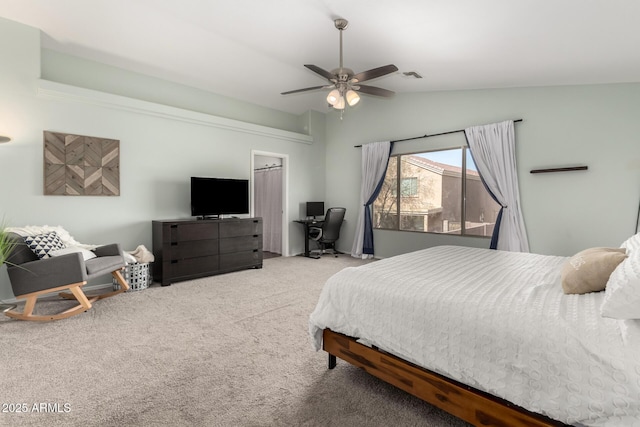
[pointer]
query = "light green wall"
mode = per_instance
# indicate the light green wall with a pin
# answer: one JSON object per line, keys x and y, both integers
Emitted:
{"x": 80, "y": 72}
{"x": 158, "y": 154}
{"x": 564, "y": 212}
{"x": 595, "y": 126}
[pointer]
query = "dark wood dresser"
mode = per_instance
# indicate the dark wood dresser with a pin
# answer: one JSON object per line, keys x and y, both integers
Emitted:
{"x": 188, "y": 249}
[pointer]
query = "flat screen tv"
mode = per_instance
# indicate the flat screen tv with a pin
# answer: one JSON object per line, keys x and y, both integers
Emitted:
{"x": 315, "y": 209}
{"x": 219, "y": 196}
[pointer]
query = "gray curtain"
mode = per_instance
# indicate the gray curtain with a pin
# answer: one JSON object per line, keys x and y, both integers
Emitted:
{"x": 268, "y": 205}
{"x": 493, "y": 148}
{"x": 375, "y": 159}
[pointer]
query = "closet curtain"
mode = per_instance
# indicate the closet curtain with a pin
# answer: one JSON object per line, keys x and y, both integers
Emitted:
{"x": 493, "y": 148}
{"x": 268, "y": 205}
{"x": 375, "y": 159}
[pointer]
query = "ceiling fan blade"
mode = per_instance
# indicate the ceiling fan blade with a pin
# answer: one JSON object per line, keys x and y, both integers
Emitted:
{"x": 324, "y": 73}
{"x": 372, "y": 90}
{"x": 303, "y": 90}
{"x": 375, "y": 72}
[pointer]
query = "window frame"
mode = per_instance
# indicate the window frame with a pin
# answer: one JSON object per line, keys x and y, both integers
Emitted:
{"x": 464, "y": 150}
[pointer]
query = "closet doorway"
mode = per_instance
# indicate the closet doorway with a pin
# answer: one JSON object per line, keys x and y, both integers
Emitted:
{"x": 269, "y": 200}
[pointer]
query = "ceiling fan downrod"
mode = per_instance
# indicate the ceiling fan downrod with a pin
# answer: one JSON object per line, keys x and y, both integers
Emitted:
{"x": 343, "y": 93}
{"x": 341, "y": 24}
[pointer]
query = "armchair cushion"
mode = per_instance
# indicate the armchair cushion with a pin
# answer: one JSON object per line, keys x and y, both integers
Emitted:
{"x": 104, "y": 265}
{"x": 43, "y": 244}
{"x": 108, "y": 258}
{"x": 112, "y": 249}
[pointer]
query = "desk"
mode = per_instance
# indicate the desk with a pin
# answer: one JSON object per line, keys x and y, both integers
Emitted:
{"x": 308, "y": 223}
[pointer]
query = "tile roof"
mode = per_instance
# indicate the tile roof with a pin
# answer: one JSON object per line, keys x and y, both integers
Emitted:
{"x": 441, "y": 166}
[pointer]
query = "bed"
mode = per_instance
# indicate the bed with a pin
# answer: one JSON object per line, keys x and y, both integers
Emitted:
{"x": 490, "y": 336}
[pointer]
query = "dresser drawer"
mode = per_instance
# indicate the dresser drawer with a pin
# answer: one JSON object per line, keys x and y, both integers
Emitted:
{"x": 190, "y": 231}
{"x": 177, "y": 269}
{"x": 240, "y": 244}
{"x": 241, "y": 228}
{"x": 189, "y": 249}
{"x": 241, "y": 260}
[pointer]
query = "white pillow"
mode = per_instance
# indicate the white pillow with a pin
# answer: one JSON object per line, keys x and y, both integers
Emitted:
{"x": 622, "y": 294}
{"x": 86, "y": 254}
{"x": 43, "y": 244}
{"x": 632, "y": 243}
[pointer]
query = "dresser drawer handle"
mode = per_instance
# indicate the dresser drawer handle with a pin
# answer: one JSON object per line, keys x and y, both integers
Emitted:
{"x": 174, "y": 243}
{"x": 174, "y": 225}
{"x": 174, "y": 261}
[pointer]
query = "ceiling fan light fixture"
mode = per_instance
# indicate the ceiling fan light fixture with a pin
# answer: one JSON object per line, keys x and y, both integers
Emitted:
{"x": 352, "y": 97}
{"x": 333, "y": 97}
{"x": 344, "y": 83}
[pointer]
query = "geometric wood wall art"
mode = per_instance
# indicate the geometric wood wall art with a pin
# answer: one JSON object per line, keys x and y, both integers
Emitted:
{"x": 77, "y": 165}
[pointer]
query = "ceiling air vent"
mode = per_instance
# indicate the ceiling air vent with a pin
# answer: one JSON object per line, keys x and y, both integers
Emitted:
{"x": 412, "y": 74}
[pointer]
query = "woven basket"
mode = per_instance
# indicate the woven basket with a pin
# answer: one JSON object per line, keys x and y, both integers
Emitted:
{"x": 137, "y": 275}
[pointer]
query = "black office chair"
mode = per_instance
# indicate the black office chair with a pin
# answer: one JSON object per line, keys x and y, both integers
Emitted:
{"x": 327, "y": 234}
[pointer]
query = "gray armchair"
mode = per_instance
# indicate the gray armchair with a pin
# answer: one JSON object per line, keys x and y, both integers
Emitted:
{"x": 32, "y": 277}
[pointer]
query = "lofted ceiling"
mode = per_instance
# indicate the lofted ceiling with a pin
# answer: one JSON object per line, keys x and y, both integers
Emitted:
{"x": 255, "y": 49}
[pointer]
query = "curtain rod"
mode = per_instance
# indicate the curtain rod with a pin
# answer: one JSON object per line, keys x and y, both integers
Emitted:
{"x": 435, "y": 134}
{"x": 268, "y": 167}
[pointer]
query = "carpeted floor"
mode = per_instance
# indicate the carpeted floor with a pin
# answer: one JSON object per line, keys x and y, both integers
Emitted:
{"x": 228, "y": 350}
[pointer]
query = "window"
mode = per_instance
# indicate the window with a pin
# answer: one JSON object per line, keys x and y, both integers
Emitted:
{"x": 440, "y": 192}
{"x": 408, "y": 187}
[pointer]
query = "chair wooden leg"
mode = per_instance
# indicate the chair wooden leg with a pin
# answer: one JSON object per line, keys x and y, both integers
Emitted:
{"x": 81, "y": 297}
{"x": 29, "y": 305}
{"x": 27, "y": 312}
{"x": 124, "y": 286}
{"x": 74, "y": 292}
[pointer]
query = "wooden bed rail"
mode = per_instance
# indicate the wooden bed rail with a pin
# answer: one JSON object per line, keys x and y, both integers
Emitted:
{"x": 464, "y": 402}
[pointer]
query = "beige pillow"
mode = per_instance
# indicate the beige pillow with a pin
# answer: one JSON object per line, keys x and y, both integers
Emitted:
{"x": 589, "y": 270}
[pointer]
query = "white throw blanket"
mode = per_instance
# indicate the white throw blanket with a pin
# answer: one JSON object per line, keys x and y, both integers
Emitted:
{"x": 497, "y": 321}
{"x": 33, "y": 230}
{"x": 140, "y": 254}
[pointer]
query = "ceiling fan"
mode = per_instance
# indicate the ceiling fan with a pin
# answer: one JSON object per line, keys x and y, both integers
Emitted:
{"x": 344, "y": 83}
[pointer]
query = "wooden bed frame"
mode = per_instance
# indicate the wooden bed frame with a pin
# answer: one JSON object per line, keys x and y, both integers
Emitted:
{"x": 464, "y": 402}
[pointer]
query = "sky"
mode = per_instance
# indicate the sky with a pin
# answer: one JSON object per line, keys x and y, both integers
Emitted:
{"x": 449, "y": 157}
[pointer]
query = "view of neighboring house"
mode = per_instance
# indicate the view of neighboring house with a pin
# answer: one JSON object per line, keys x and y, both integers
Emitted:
{"x": 431, "y": 199}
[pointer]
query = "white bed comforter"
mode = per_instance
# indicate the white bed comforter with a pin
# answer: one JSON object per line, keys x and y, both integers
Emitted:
{"x": 497, "y": 321}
